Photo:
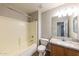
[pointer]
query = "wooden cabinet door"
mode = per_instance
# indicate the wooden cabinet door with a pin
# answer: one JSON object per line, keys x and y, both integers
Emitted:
{"x": 71, "y": 52}
{"x": 62, "y": 51}
{"x": 57, "y": 50}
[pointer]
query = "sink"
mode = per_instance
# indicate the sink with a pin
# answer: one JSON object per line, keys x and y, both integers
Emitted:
{"x": 63, "y": 40}
{"x": 76, "y": 41}
{"x": 66, "y": 40}
{"x": 72, "y": 40}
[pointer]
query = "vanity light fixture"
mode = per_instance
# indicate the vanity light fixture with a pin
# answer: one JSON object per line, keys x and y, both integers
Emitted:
{"x": 67, "y": 11}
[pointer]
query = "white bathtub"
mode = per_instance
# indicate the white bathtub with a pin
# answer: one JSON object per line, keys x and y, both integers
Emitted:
{"x": 30, "y": 50}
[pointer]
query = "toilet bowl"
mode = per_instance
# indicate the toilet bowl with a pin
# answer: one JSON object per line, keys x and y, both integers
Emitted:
{"x": 42, "y": 47}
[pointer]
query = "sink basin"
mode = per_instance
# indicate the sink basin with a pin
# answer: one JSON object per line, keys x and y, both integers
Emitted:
{"x": 66, "y": 39}
{"x": 74, "y": 41}
{"x": 63, "y": 40}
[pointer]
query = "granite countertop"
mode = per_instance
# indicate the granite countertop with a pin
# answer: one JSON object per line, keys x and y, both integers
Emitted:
{"x": 67, "y": 44}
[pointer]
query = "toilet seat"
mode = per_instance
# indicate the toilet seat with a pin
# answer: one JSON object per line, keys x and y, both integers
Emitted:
{"x": 41, "y": 48}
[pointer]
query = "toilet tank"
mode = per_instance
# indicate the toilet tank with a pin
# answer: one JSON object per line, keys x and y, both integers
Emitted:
{"x": 44, "y": 41}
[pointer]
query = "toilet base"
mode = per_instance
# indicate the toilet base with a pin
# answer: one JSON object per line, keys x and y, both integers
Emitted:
{"x": 42, "y": 53}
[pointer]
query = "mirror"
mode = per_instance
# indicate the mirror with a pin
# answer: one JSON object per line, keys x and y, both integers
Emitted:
{"x": 75, "y": 25}
{"x": 66, "y": 26}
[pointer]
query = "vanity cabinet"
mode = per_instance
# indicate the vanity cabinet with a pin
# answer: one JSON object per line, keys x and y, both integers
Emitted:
{"x": 57, "y": 50}
{"x": 71, "y": 52}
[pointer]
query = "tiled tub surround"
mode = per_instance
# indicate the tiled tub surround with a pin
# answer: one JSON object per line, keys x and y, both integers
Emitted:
{"x": 17, "y": 36}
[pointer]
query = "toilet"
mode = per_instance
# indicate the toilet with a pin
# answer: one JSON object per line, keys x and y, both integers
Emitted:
{"x": 42, "y": 47}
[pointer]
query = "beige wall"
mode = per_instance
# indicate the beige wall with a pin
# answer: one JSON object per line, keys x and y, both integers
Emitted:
{"x": 46, "y": 25}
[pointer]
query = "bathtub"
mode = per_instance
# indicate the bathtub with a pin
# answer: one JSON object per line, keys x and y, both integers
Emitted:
{"x": 30, "y": 50}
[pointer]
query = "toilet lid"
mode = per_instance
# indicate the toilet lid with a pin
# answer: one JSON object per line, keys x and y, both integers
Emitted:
{"x": 41, "y": 47}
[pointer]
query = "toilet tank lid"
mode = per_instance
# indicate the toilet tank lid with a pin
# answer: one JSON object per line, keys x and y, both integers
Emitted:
{"x": 44, "y": 39}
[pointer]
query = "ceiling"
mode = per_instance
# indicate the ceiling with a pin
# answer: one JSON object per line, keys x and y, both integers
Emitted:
{"x": 32, "y": 7}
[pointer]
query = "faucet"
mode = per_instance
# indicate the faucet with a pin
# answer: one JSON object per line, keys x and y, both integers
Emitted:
{"x": 63, "y": 39}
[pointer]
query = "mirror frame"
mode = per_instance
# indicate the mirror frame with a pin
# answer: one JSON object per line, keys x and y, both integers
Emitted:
{"x": 75, "y": 24}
